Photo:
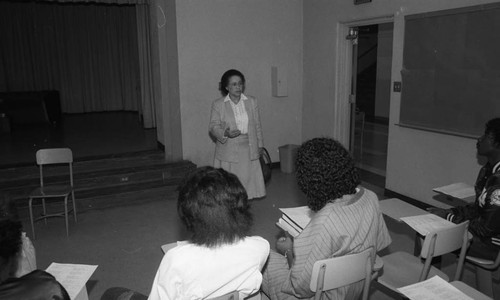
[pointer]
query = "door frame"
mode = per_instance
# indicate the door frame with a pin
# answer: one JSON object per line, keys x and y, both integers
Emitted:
{"x": 343, "y": 76}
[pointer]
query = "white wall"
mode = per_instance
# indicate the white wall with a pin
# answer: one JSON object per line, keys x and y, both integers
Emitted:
{"x": 251, "y": 36}
{"x": 417, "y": 160}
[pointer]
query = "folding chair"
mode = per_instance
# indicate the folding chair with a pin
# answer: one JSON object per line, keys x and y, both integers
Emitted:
{"x": 231, "y": 296}
{"x": 44, "y": 191}
{"x": 332, "y": 273}
{"x": 402, "y": 268}
{"x": 484, "y": 268}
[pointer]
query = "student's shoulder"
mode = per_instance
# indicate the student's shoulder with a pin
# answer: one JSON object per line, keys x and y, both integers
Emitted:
{"x": 251, "y": 98}
{"x": 257, "y": 241}
{"x": 367, "y": 193}
{"x": 219, "y": 100}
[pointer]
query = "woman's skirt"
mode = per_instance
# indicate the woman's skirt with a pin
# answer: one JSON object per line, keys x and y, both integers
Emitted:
{"x": 248, "y": 171}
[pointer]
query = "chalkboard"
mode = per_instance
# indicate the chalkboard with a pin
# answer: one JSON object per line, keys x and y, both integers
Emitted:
{"x": 451, "y": 70}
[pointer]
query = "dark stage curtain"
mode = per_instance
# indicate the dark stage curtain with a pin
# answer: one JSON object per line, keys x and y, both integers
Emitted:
{"x": 88, "y": 52}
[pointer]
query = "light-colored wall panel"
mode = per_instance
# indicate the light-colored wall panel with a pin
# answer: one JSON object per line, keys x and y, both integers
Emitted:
{"x": 251, "y": 36}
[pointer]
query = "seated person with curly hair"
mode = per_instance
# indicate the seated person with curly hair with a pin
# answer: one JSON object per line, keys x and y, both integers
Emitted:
{"x": 347, "y": 221}
{"x": 220, "y": 257}
{"x": 37, "y": 285}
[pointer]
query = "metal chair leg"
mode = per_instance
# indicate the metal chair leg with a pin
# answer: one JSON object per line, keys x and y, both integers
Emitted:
{"x": 74, "y": 204}
{"x": 44, "y": 210}
{"x": 483, "y": 281}
{"x": 66, "y": 214}
{"x": 31, "y": 218}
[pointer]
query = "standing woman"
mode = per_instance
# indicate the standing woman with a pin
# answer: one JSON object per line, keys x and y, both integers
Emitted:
{"x": 235, "y": 125}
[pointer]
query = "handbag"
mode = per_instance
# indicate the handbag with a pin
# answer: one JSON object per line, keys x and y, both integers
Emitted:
{"x": 265, "y": 165}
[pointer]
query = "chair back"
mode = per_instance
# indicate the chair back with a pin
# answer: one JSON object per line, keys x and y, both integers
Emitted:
{"x": 332, "y": 273}
{"x": 55, "y": 156}
{"x": 444, "y": 241}
{"x": 484, "y": 269}
{"x": 484, "y": 263}
{"x": 230, "y": 296}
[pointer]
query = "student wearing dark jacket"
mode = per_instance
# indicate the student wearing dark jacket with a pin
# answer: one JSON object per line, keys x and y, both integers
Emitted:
{"x": 37, "y": 285}
{"x": 484, "y": 213}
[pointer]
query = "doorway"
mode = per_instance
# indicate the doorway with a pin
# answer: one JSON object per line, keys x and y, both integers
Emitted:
{"x": 371, "y": 90}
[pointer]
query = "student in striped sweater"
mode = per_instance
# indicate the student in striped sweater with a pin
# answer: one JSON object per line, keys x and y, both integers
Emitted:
{"x": 348, "y": 220}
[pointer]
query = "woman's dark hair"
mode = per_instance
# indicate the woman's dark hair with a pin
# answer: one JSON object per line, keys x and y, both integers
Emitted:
{"x": 325, "y": 172}
{"x": 10, "y": 235}
{"x": 10, "y": 239}
{"x": 493, "y": 128}
{"x": 214, "y": 207}
{"x": 224, "y": 81}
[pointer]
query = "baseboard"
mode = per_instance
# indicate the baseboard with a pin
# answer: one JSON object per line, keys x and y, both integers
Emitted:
{"x": 419, "y": 204}
{"x": 378, "y": 120}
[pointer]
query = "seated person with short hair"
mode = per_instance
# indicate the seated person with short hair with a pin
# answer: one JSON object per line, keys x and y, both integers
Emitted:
{"x": 347, "y": 221}
{"x": 37, "y": 285}
{"x": 484, "y": 213}
{"x": 220, "y": 257}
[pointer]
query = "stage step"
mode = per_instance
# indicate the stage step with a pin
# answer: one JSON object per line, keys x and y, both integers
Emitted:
{"x": 104, "y": 181}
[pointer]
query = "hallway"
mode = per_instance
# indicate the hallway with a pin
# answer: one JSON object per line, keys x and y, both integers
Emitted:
{"x": 371, "y": 152}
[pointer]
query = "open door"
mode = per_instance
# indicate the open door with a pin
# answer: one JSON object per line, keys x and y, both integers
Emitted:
{"x": 353, "y": 37}
{"x": 370, "y": 94}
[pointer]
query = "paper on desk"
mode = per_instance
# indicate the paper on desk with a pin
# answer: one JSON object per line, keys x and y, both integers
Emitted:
{"x": 72, "y": 276}
{"x": 458, "y": 190}
{"x": 434, "y": 288}
{"x": 424, "y": 224}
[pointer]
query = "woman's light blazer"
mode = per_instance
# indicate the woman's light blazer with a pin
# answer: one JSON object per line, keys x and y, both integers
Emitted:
{"x": 226, "y": 149}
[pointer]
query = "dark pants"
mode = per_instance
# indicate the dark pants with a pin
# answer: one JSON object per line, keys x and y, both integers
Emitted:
{"x": 480, "y": 249}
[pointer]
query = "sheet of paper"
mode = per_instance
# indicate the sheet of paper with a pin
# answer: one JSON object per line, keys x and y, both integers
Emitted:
{"x": 458, "y": 190}
{"x": 434, "y": 288}
{"x": 424, "y": 224}
{"x": 72, "y": 276}
{"x": 301, "y": 215}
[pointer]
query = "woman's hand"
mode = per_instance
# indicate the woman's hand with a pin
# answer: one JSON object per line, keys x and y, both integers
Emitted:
{"x": 441, "y": 212}
{"x": 231, "y": 133}
{"x": 284, "y": 244}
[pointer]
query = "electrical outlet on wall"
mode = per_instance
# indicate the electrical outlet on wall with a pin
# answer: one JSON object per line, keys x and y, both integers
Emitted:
{"x": 397, "y": 86}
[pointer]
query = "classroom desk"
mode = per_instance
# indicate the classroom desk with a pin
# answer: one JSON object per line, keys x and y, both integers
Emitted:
{"x": 396, "y": 209}
{"x": 470, "y": 291}
{"x": 460, "y": 191}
